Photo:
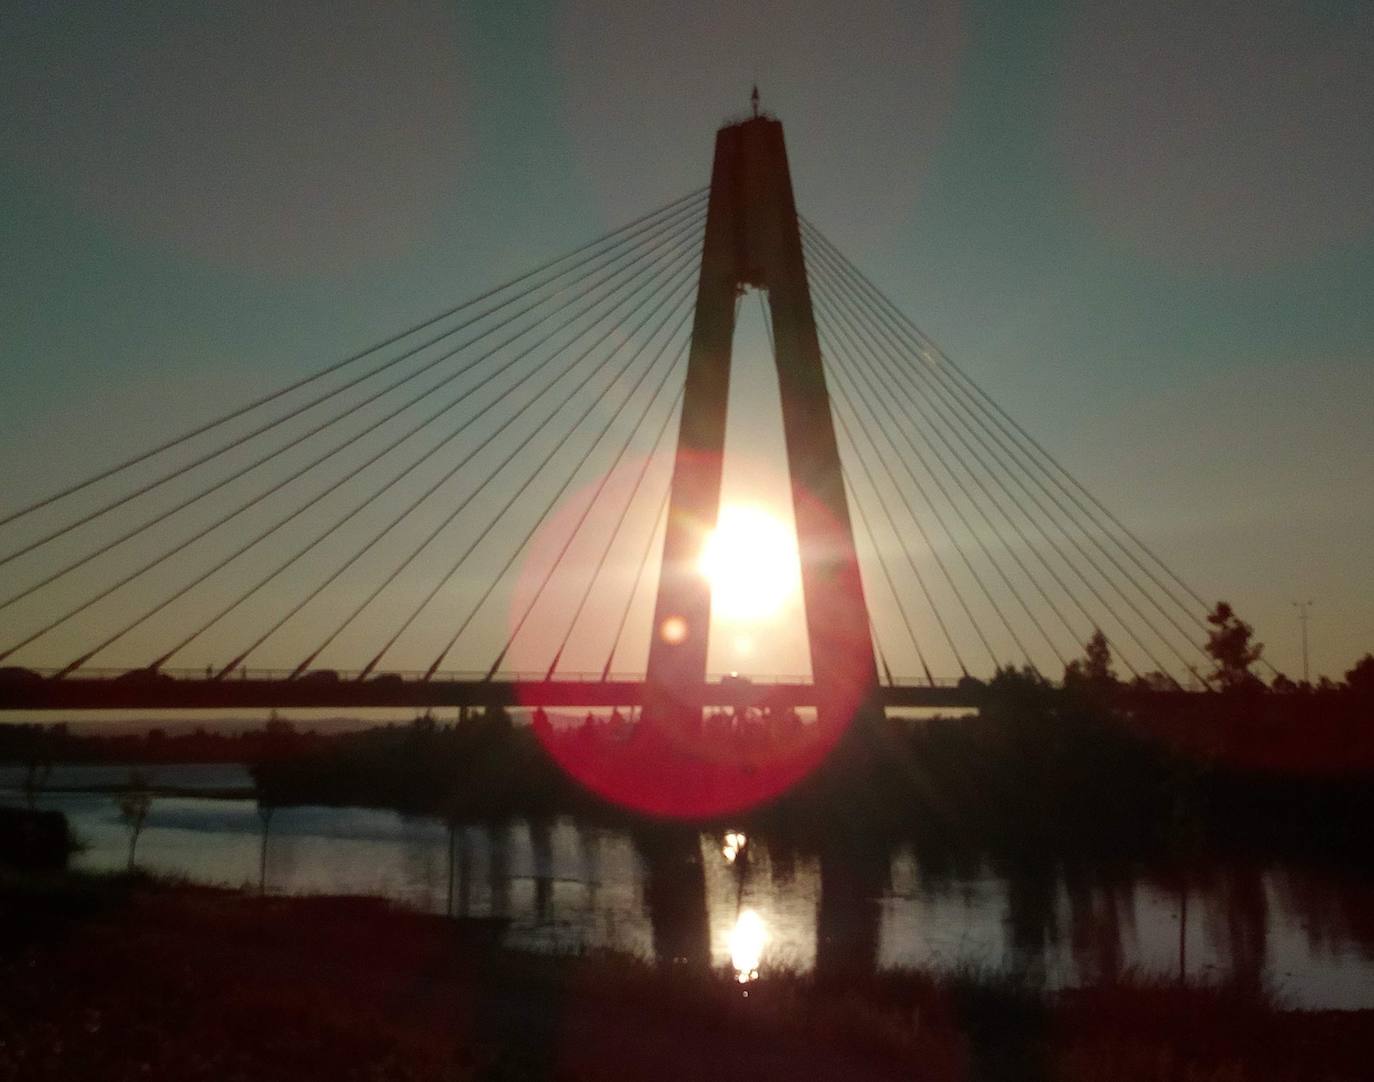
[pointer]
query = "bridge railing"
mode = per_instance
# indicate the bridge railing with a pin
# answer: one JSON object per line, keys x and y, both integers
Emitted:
{"x": 347, "y": 675}
{"x": 511, "y": 676}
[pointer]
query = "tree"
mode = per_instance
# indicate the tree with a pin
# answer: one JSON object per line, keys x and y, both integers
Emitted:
{"x": 278, "y": 727}
{"x": 1360, "y": 679}
{"x": 1094, "y": 668}
{"x": 265, "y": 813}
{"x": 267, "y": 807}
{"x": 451, "y": 810}
{"x": 1229, "y": 646}
{"x": 134, "y": 804}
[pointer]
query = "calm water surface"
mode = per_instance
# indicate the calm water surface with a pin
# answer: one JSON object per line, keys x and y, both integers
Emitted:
{"x": 706, "y": 899}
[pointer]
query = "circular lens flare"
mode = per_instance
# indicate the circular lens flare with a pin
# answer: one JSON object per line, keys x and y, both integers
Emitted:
{"x": 673, "y": 630}
{"x": 679, "y": 751}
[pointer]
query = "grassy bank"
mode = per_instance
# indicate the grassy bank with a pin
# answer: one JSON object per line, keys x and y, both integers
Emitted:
{"x": 116, "y": 978}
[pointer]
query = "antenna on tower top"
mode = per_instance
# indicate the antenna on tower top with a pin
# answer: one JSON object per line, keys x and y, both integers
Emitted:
{"x": 754, "y": 100}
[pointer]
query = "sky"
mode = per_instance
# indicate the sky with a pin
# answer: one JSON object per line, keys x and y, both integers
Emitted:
{"x": 1146, "y": 229}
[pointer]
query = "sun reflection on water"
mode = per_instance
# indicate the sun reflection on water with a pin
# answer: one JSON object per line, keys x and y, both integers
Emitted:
{"x": 747, "y": 940}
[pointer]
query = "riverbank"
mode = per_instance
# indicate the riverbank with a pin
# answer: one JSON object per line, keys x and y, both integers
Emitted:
{"x": 1077, "y": 775}
{"x": 113, "y": 977}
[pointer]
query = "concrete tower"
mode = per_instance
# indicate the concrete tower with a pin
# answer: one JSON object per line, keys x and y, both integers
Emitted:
{"x": 752, "y": 239}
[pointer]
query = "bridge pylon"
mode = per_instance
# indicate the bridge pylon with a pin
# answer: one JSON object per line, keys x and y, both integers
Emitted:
{"x": 752, "y": 239}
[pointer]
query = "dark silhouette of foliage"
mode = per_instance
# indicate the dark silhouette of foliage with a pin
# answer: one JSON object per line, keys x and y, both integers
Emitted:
{"x": 34, "y": 839}
{"x": 332, "y": 988}
{"x": 134, "y": 803}
{"x": 1229, "y": 645}
{"x": 1360, "y": 678}
{"x": 1093, "y": 671}
{"x": 482, "y": 767}
{"x": 1154, "y": 681}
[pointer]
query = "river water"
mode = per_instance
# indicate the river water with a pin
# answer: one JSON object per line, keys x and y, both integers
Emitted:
{"x": 705, "y": 899}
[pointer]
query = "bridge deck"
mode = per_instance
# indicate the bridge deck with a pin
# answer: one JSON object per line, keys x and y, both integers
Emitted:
{"x": 142, "y": 692}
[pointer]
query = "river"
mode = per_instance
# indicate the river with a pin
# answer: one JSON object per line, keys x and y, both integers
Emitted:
{"x": 705, "y": 899}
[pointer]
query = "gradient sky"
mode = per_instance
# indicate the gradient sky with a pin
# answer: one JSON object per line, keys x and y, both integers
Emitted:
{"x": 1146, "y": 228}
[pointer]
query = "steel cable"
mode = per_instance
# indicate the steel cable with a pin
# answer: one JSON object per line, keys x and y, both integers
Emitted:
{"x": 620, "y": 522}
{"x": 336, "y": 449}
{"x": 659, "y": 520}
{"x": 1015, "y": 469}
{"x": 841, "y": 387}
{"x": 366, "y": 502}
{"x": 950, "y": 370}
{"x": 889, "y": 362}
{"x": 958, "y": 479}
{"x": 452, "y": 515}
{"x": 931, "y": 424}
{"x": 698, "y": 195}
{"x": 529, "y": 534}
{"x": 882, "y": 563}
{"x": 567, "y": 544}
{"x": 300, "y": 509}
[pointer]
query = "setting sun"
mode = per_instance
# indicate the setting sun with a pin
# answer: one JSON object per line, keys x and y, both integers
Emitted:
{"x": 750, "y": 560}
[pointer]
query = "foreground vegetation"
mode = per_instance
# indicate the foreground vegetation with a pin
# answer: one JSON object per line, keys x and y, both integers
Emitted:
{"x": 114, "y": 978}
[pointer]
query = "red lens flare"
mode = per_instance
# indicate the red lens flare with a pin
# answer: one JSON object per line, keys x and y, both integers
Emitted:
{"x": 704, "y": 750}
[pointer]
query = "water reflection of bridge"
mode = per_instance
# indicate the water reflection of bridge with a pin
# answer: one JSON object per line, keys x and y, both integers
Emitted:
{"x": 580, "y": 885}
{"x": 849, "y": 914}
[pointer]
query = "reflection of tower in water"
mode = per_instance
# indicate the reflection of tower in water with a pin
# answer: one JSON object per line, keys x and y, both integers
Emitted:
{"x": 589, "y": 860}
{"x": 1099, "y": 915}
{"x": 675, "y": 895}
{"x": 1031, "y": 920}
{"x": 853, "y": 877}
{"x": 498, "y": 869}
{"x": 541, "y": 850}
{"x": 1241, "y": 908}
{"x": 462, "y": 843}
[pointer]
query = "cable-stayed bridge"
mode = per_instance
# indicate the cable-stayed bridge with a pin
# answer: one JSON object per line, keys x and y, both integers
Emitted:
{"x": 505, "y": 504}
